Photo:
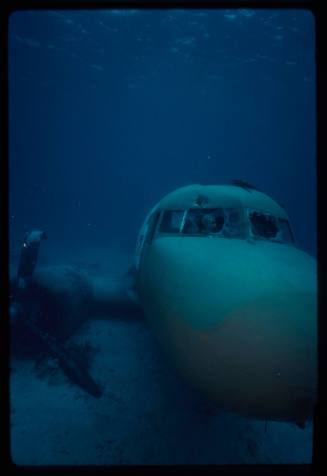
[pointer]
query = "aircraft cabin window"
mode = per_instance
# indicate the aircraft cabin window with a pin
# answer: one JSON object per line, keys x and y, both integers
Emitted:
{"x": 266, "y": 226}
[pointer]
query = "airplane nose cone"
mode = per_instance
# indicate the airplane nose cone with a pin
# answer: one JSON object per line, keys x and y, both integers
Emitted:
{"x": 238, "y": 322}
{"x": 265, "y": 354}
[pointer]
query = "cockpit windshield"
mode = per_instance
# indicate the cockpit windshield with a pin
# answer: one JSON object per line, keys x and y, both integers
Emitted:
{"x": 171, "y": 221}
{"x": 225, "y": 222}
{"x": 268, "y": 227}
{"x": 202, "y": 221}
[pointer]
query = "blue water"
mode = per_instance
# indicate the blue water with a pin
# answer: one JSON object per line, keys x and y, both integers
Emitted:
{"x": 110, "y": 110}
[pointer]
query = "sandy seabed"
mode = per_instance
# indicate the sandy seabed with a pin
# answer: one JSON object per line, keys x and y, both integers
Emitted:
{"x": 146, "y": 414}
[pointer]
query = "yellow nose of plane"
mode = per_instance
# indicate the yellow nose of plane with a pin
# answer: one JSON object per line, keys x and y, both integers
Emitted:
{"x": 237, "y": 320}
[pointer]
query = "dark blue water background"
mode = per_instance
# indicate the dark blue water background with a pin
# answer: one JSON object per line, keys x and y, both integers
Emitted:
{"x": 110, "y": 110}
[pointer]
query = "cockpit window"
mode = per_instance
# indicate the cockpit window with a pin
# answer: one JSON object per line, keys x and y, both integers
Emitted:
{"x": 223, "y": 222}
{"x": 269, "y": 227}
{"x": 204, "y": 221}
{"x": 171, "y": 221}
{"x": 263, "y": 225}
{"x": 152, "y": 224}
{"x": 285, "y": 230}
{"x": 232, "y": 225}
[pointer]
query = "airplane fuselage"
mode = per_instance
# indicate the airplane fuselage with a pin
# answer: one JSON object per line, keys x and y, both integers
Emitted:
{"x": 236, "y": 315}
{"x": 231, "y": 299}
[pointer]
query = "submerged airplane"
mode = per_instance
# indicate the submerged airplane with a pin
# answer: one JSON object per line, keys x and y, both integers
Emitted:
{"x": 231, "y": 299}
